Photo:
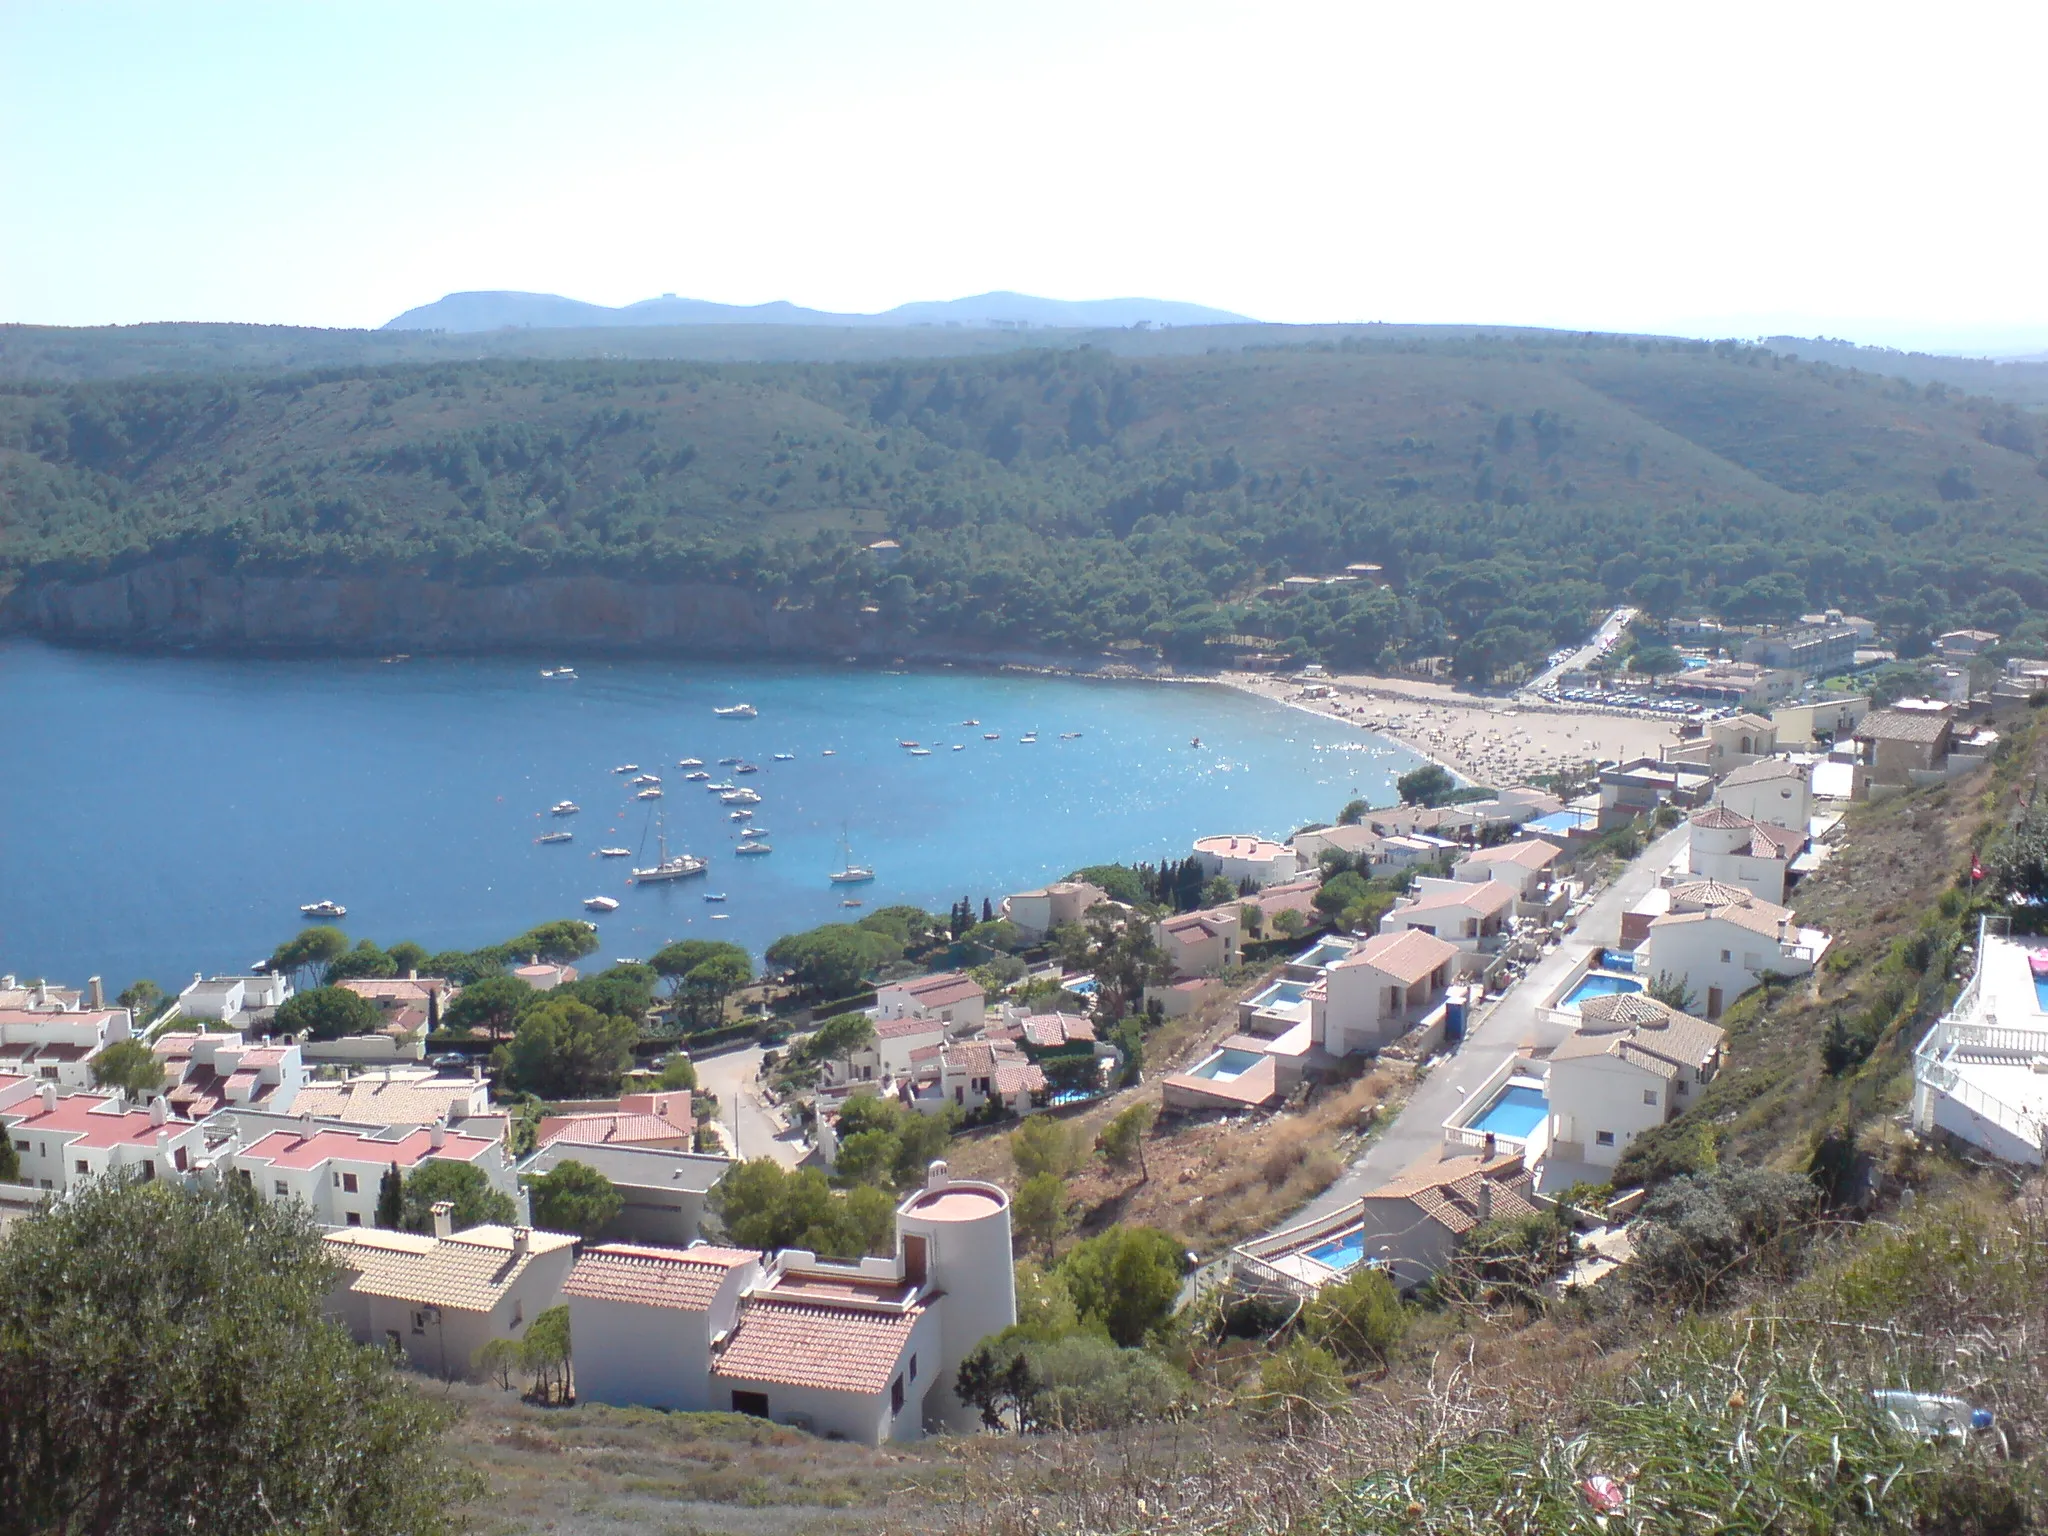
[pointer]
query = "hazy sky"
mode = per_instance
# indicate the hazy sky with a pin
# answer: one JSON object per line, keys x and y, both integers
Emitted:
{"x": 1856, "y": 170}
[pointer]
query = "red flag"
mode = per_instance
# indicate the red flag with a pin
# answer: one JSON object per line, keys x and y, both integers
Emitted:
{"x": 1976, "y": 869}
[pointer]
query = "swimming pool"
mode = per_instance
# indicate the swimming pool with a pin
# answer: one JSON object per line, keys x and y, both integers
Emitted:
{"x": 1326, "y": 952}
{"x": 2041, "y": 993}
{"x": 1342, "y": 1251}
{"x": 1600, "y": 984}
{"x": 1226, "y": 1065}
{"x": 1282, "y": 994}
{"x": 1561, "y": 822}
{"x": 1515, "y": 1111}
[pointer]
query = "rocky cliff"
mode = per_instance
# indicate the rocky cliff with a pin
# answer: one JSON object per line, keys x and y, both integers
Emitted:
{"x": 187, "y": 603}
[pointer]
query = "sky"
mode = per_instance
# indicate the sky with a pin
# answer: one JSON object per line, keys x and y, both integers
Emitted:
{"x": 1862, "y": 171}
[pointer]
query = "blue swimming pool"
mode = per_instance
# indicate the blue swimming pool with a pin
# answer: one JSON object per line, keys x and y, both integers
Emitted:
{"x": 1600, "y": 984}
{"x": 1282, "y": 994}
{"x": 1326, "y": 952}
{"x": 1516, "y": 1111}
{"x": 1561, "y": 822}
{"x": 1341, "y": 1252}
{"x": 1226, "y": 1065}
{"x": 2041, "y": 993}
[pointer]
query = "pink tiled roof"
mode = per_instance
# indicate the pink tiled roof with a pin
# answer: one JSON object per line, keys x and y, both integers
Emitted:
{"x": 681, "y": 1279}
{"x": 1047, "y": 1030}
{"x": 895, "y": 1029}
{"x": 1018, "y": 1077}
{"x": 291, "y": 1149}
{"x": 392, "y": 990}
{"x": 94, "y": 1018}
{"x": 610, "y": 1129}
{"x": 835, "y": 1349}
{"x": 81, "y": 1118}
{"x": 1529, "y": 855}
{"x": 939, "y": 990}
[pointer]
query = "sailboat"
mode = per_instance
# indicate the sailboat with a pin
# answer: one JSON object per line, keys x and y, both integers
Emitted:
{"x": 681, "y": 867}
{"x": 852, "y": 873}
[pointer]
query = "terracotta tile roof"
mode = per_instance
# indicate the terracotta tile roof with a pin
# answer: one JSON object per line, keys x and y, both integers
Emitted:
{"x": 601, "y": 1129}
{"x": 1773, "y": 842}
{"x": 1720, "y": 818}
{"x": 1407, "y": 956}
{"x": 800, "y": 1344}
{"x": 679, "y": 1279}
{"x": 86, "y": 1018}
{"x": 1703, "y": 894}
{"x": 1448, "y": 1192}
{"x": 469, "y": 1272}
{"x": 1745, "y": 721}
{"x": 940, "y": 990}
{"x": 1486, "y": 897}
{"x": 1014, "y": 1077}
{"x": 895, "y": 1029}
{"x": 1529, "y": 855}
{"x": 1913, "y": 725}
{"x": 1048, "y": 1030}
{"x": 376, "y": 1102}
{"x": 392, "y": 991}
{"x": 1763, "y": 772}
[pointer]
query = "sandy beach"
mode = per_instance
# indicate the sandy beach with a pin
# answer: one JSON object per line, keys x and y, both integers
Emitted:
{"x": 1495, "y": 742}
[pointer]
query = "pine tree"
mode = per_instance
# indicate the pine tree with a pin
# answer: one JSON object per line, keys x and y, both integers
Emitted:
{"x": 391, "y": 1199}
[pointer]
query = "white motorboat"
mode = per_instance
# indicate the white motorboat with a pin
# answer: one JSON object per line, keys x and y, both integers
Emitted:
{"x": 1028, "y": 738}
{"x": 991, "y": 735}
{"x": 828, "y": 752}
{"x": 627, "y": 768}
{"x": 740, "y": 797}
{"x": 564, "y": 808}
{"x": 747, "y": 768}
{"x": 714, "y": 895}
{"x": 697, "y": 776}
{"x": 906, "y": 743}
{"x": 749, "y": 848}
{"x": 556, "y": 837}
{"x": 727, "y": 762}
{"x": 785, "y": 757}
{"x": 679, "y": 867}
{"x": 689, "y": 762}
{"x": 920, "y": 752}
{"x": 1070, "y": 735}
{"x": 736, "y": 712}
{"x": 752, "y": 831}
{"x": 970, "y": 722}
{"x": 323, "y": 909}
{"x": 739, "y": 815}
{"x": 720, "y": 789}
{"x": 641, "y": 779}
{"x": 959, "y": 746}
{"x": 615, "y": 853}
{"x": 601, "y": 903}
{"x": 559, "y": 674}
{"x": 653, "y": 793}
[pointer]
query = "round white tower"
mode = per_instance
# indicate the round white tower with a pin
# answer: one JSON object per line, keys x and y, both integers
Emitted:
{"x": 958, "y": 1232}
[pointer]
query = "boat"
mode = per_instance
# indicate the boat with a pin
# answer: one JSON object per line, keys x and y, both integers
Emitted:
{"x": 747, "y": 848}
{"x": 740, "y": 797}
{"x": 601, "y": 903}
{"x": 828, "y": 752}
{"x": 728, "y": 762}
{"x": 736, "y": 712}
{"x": 680, "y": 867}
{"x": 920, "y": 751}
{"x": 697, "y": 776}
{"x": 647, "y": 778}
{"x": 753, "y": 831}
{"x": 564, "y": 808}
{"x": 714, "y": 895}
{"x": 721, "y": 789}
{"x": 323, "y": 909}
{"x": 627, "y": 768}
{"x": 970, "y": 722}
{"x": 850, "y": 873}
{"x": 1196, "y": 742}
{"x": 689, "y": 762}
{"x": 719, "y": 917}
{"x": 1029, "y": 738}
{"x": 906, "y": 743}
{"x": 747, "y": 768}
{"x": 1070, "y": 735}
{"x": 649, "y": 794}
{"x": 559, "y": 674}
{"x": 853, "y": 901}
{"x": 991, "y": 735}
{"x": 615, "y": 853}
{"x": 740, "y": 815}
{"x": 556, "y": 837}
{"x": 394, "y": 659}
{"x": 959, "y": 746}
{"x": 785, "y": 757}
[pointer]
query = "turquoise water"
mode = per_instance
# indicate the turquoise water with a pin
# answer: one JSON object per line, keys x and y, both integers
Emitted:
{"x": 2041, "y": 993}
{"x": 1516, "y": 1111}
{"x": 1225, "y": 1066}
{"x": 1597, "y": 984}
{"x": 1325, "y": 952}
{"x": 161, "y": 815}
{"x": 1282, "y": 994}
{"x": 1562, "y": 822}
{"x": 1341, "y": 1252}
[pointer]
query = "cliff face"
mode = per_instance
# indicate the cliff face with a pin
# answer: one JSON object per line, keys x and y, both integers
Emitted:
{"x": 185, "y": 602}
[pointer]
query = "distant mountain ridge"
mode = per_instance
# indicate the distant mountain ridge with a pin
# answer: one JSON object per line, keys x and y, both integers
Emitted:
{"x": 495, "y": 311}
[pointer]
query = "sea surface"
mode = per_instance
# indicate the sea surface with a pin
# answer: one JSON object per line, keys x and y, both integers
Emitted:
{"x": 166, "y": 815}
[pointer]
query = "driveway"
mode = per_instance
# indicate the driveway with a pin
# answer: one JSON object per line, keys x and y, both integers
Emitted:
{"x": 1509, "y": 1025}
{"x": 751, "y": 1128}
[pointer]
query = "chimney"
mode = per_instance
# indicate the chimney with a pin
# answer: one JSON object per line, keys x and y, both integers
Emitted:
{"x": 444, "y": 1218}
{"x": 1485, "y": 1199}
{"x": 305, "y": 1124}
{"x": 49, "y": 1093}
{"x": 936, "y": 1176}
{"x": 42, "y": 994}
{"x": 437, "y": 1134}
{"x": 159, "y": 1112}
{"x": 163, "y": 1149}
{"x": 412, "y": 973}
{"x": 95, "y": 994}
{"x": 522, "y": 1239}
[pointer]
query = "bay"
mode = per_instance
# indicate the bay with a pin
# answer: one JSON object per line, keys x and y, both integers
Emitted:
{"x": 162, "y": 815}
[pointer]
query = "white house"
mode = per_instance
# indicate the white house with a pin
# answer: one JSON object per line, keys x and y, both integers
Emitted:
{"x": 61, "y": 1139}
{"x": 1381, "y": 990}
{"x": 1976, "y": 1072}
{"x": 1411, "y": 1224}
{"x": 866, "y": 1351}
{"x": 1037, "y": 913}
{"x": 1246, "y": 857}
{"x": 413, "y": 1001}
{"x": 242, "y": 1003}
{"x": 207, "y": 1072}
{"x": 967, "y": 1074}
{"x": 1633, "y": 1064}
{"x": 56, "y": 1045}
{"x": 1354, "y": 842}
{"x": 952, "y": 998}
{"x": 1199, "y": 943}
{"x": 1471, "y": 916}
{"x": 1728, "y": 847}
{"x": 407, "y": 1095}
{"x": 337, "y": 1171}
{"x": 1721, "y": 952}
{"x": 1774, "y": 790}
{"x": 1525, "y": 865}
{"x": 441, "y": 1298}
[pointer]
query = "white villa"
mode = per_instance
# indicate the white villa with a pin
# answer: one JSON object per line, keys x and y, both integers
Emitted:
{"x": 1721, "y": 941}
{"x": 61, "y": 1139}
{"x": 952, "y": 998}
{"x": 1633, "y": 1064}
{"x": 336, "y": 1171}
{"x": 1037, "y": 913}
{"x": 1981, "y": 1073}
{"x": 1246, "y": 857}
{"x": 52, "y": 1036}
{"x": 1381, "y": 990}
{"x": 1199, "y": 943}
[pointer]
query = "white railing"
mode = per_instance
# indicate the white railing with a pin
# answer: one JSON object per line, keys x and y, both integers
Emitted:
{"x": 2024, "y": 1125}
{"x": 1255, "y": 1274}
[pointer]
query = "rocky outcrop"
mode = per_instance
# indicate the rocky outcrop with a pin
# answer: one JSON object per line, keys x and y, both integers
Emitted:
{"x": 188, "y": 603}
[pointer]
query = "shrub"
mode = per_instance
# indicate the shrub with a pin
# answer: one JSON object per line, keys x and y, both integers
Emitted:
{"x": 1127, "y": 1279}
{"x": 1359, "y": 1318}
{"x": 1701, "y": 1232}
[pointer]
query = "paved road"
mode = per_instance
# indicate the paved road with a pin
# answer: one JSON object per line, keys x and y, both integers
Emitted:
{"x": 1511, "y": 1023}
{"x": 1603, "y": 637}
{"x": 753, "y": 1130}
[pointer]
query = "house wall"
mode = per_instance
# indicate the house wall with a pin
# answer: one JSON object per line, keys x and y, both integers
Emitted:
{"x": 862, "y": 1418}
{"x": 672, "y": 1218}
{"x": 1760, "y": 877}
{"x": 1695, "y": 950}
{"x": 1785, "y": 802}
{"x": 1417, "y": 1246}
{"x": 1591, "y": 1094}
{"x": 645, "y": 1357}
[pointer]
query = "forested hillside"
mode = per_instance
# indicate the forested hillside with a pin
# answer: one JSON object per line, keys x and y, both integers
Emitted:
{"x": 1069, "y": 500}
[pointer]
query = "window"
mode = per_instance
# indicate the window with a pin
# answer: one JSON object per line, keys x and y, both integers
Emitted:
{"x": 419, "y": 1321}
{"x": 1681, "y": 1087}
{"x": 348, "y": 1183}
{"x": 46, "y": 1184}
{"x": 753, "y": 1404}
{"x": 277, "y": 1188}
{"x": 896, "y": 1395}
{"x": 82, "y": 1166}
{"x": 148, "y": 1169}
{"x": 1649, "y": 1095}
{"x": 21, "y": 1146}
{"x": 913, "y": 1367}
{"x": 1604, "y": 1139}
{"x": 355, "y": 1218}
{"x": 50, "y": 1074}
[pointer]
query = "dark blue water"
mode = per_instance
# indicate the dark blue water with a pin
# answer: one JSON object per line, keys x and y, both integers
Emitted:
{"x": 166, "y": 815}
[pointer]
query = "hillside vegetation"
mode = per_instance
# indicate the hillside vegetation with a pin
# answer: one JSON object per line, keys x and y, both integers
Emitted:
{"x": 1072, "y": 500}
